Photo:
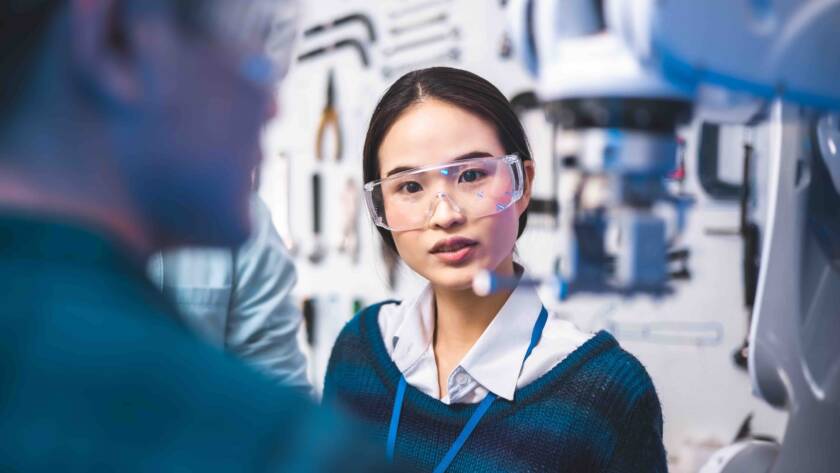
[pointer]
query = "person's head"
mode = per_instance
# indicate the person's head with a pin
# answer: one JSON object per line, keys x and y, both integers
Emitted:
{"x": 442, "y": 115}
{"x": 166, "y": 98}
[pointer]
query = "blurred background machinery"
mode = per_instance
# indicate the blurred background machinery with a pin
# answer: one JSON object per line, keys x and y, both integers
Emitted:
{"x": 624, "y": 74}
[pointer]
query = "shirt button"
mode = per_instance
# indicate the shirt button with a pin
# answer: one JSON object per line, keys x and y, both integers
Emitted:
{"x": 462, "y": 379}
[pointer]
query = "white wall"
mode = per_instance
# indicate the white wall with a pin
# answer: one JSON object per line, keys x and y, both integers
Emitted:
{"x": 704, "y": 396}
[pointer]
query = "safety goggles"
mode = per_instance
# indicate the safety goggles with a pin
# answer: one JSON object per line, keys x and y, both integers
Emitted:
{"x": 475, "y": 188}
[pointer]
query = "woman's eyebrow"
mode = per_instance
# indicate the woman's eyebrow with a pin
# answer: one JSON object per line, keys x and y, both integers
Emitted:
{"x": 470, "y": 155}
{"x": 474, "y": 154}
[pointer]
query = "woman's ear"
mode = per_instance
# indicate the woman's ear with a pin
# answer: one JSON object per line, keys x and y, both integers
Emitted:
{"x": 522, "y": 203}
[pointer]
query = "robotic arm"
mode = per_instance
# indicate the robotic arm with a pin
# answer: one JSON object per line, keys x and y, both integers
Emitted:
{"x": 624, "y": 74}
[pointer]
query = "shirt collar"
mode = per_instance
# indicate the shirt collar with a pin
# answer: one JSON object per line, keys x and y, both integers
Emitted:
{"x": 414, "y": 335}
{"x": 495, "y": 361}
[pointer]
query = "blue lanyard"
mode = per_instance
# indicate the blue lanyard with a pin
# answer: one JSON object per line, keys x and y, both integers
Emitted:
{"x": 474, "y": 419}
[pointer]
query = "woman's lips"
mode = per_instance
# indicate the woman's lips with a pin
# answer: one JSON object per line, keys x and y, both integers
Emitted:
{"x": 454, "y": 250}
{"x": 456, "y": 257}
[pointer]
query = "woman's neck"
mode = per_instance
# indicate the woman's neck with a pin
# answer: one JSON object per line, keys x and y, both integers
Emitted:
{"x": 461, "y": 317}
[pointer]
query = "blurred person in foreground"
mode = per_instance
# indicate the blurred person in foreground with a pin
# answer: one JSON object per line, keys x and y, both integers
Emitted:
{"x": 129, "y": 127}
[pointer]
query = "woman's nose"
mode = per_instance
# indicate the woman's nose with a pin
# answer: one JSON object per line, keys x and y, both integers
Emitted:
{"x": 445, "y": 213}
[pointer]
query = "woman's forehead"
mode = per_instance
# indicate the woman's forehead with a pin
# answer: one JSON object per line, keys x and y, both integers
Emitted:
{"x": 434, "y": 132}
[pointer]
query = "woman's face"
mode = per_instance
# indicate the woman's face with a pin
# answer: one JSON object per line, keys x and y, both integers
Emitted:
{"x": 451, "y": 248}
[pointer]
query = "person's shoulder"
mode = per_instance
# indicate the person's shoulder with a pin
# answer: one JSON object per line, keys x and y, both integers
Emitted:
{"x": 261, "y": 223}
{"x": 363, "y": 320}
{"x": 355, "y": 351}
{"x": 601, "y": 363}
{"x": 619, "y": 371}
{"x": 603, "y": 376}
{"x": 358, "y": 338}
{"x": 563, "y": 334}
{"x": 625, "y": 363}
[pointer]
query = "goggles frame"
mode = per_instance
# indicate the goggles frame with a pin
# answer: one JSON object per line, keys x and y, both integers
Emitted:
{"x": 512, "y": 161}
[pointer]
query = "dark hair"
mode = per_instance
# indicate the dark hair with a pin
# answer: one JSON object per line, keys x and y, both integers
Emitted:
{"x": 460, "y": 88}
{"x": 23, "y": 25}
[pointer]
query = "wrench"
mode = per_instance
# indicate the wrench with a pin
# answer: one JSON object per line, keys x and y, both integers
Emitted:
{"x": 453, "y": 54}
{"x": 455, "y": 33}
{"x": 349, "y": 43}
{"x": 413, "y": 8}
{"x": 317, "y": 252}
{"x": 398, "y": 30}
{"x": 344, "y": 20}
{"x": 350, "y": 199}
{"x": 666, "y": 332}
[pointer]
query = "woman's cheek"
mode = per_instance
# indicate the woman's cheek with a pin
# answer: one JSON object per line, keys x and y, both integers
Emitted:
{"x": 502, "y": 236}
{"x": 410, "y": 250}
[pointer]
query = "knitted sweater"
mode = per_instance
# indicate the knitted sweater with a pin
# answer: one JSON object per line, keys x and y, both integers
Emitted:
{"x": 596, "y": 411}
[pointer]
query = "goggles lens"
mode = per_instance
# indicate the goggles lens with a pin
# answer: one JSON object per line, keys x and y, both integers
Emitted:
{"x": 476, "y": 188}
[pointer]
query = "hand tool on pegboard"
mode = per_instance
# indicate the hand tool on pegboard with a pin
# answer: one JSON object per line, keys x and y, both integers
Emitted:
{"x": 348, "y": 19}
{"x": 351, "y": 202}
{"x": 341, "y": 45}
{"x": 452, "y": 55}
{"x": 329, "y": 125}
{"x": 420, "y": 24}
{"x": 452, "y": 34}
{"x": 395, "y": 14}
{"x": 318, "y": 250}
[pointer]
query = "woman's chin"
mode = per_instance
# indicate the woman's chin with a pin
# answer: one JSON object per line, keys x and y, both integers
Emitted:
{"x": 452, "y": 279}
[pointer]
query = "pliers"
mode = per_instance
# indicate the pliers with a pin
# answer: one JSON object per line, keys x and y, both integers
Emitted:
{"x": 329, "y": 124}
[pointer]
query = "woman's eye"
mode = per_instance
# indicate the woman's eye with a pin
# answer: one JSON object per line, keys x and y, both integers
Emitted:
{"x": 410, "y": 187}
{"x": 471, "y": 175}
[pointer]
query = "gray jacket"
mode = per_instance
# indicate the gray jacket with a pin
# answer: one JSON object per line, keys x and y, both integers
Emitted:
{"x": 241, "y": 300}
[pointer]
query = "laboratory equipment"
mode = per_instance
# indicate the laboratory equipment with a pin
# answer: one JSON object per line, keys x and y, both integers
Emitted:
{"x": 625, "y": 75}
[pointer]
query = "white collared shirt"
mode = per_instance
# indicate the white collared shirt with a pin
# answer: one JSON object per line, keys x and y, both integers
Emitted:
{"x": 494, "y": 363}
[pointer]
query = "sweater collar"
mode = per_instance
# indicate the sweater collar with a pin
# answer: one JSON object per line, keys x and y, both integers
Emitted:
{"x": 389, "y": 374}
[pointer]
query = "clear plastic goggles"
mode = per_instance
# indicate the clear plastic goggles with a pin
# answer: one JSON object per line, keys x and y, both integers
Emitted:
{"x": 475, "y": 188}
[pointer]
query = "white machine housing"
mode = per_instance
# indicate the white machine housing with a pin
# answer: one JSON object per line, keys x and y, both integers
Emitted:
{"x": 736, "y": 61}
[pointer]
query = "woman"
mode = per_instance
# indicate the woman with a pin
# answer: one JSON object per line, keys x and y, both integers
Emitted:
{"x": 451, "y": 381}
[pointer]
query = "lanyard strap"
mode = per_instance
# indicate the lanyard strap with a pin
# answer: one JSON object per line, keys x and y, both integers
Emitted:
{"x": 395, "y": 419}
{"x": 482, "y": 408}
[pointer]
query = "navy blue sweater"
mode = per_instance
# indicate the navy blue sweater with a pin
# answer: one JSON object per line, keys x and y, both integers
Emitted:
{"x": 596, "y": 411}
